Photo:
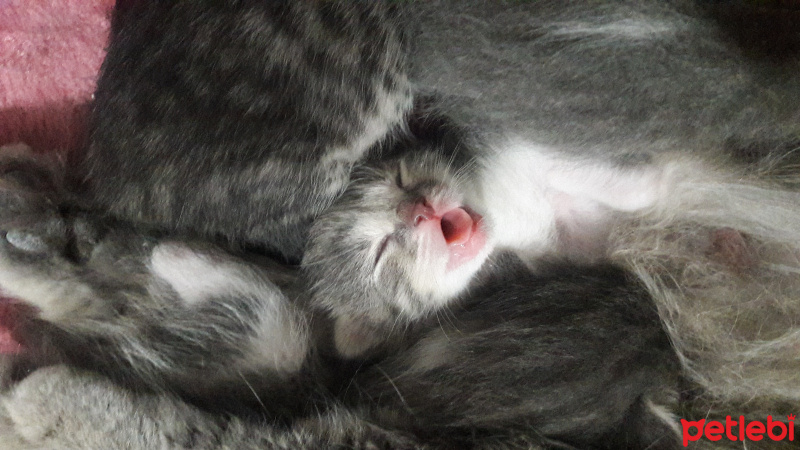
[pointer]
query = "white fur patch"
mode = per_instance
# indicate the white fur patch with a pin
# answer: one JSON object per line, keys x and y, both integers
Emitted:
{"x": 530, "y": 191}
{"x": 281, "y": 342}
{"x": 514, "y": 198}
{"x": 195, "y": 276}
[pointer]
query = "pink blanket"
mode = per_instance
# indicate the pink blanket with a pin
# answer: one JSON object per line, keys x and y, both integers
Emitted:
{"x": 50, "y": 53}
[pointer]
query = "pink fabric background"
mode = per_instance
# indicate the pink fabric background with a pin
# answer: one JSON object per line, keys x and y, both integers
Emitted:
{"x": 50, "y": 53}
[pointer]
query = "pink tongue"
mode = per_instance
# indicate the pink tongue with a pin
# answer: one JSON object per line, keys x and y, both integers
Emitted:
{"x": 456, "y": 226}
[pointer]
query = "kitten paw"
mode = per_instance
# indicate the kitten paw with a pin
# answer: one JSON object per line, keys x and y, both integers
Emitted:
{"x": 44, "y": 407}
{"x": 59, "y": 408}
{"x": 29, "y": 189}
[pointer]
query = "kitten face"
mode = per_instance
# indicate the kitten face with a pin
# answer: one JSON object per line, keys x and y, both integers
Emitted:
{"x": 400, "y": 242}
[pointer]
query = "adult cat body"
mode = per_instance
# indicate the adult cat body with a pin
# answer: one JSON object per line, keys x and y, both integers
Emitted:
{"x": 601, "y": 98}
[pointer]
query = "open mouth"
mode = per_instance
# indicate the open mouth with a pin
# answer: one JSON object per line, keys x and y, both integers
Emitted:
{"x": 464, "y": 234}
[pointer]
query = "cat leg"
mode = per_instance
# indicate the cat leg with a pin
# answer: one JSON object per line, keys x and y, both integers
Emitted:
{"x": 34, "y": 234}
{"x": 165, "y": 311}
{"x": 57, "y": 408}
{"x": 270, "y": 332}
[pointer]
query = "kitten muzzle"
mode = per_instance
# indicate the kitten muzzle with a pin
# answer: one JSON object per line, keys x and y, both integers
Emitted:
{"x": 460, "y": 229}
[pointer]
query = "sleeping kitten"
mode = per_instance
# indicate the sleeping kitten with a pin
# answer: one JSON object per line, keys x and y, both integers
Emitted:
{"x": 242, "y": 119}
{"x": 411, "y": 232}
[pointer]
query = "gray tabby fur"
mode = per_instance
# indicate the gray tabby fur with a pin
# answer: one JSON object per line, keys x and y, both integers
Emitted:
{"x": 620, "y": 77}
{"x": 241, "y": 344}
{"x": 241, "y": 119}
{"x": 156, "y": 312}
{"x": 712, "y": 85}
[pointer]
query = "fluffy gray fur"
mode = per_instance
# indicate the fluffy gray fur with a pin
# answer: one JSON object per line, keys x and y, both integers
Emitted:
{"x": 604, "y": 76}
{"x": 578, "y": 356}
{"x": 60, "y": 408}
{"x": 166, "y": 314}
{"x": 619, "y": 77}
{"x": 127, "y": 306}
{"x": 242, "y": 119}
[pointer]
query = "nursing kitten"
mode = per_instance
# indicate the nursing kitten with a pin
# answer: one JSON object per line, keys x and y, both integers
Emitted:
{"x": 610, "y": 83}
{"x": 712, "y": 245}
{"x": 411, "y": 232}
{"x": 242, "y": 119}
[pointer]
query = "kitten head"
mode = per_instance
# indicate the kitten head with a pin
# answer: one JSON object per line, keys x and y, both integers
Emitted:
{"x": 398, "y": 244}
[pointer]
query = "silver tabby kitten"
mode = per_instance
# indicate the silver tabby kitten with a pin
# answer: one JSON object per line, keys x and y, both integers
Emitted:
{"x": 151, "y": 311}
{"x": 241, "y": 119}
{"x": 573, "y": 113}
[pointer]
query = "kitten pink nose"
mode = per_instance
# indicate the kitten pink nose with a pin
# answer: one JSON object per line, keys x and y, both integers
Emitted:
{"x": 420, "y": 212}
